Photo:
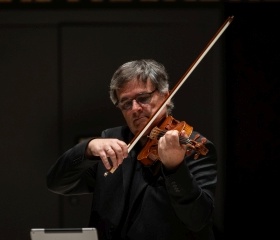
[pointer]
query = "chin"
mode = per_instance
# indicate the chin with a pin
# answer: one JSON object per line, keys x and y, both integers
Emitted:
{"x": 137, "y": 128}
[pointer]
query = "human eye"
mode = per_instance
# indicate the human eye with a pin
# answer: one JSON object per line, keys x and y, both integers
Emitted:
{"x": 126, "y": 105}
{"x": 144, "y": 98}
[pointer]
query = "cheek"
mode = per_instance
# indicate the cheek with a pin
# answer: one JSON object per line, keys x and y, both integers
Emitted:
{"x": 127, "y": 118}
{"x": 154, "y": 106}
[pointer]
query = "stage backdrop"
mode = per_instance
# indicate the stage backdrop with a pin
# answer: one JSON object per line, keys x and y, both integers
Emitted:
{"x": 55, "y": 69}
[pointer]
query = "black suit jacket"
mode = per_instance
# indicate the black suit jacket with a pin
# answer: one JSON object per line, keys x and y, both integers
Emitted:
{"x": 133, "y": 204}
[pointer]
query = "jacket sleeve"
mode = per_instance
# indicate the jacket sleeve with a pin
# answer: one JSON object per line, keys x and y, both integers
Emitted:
{"x": 192, "y": 188}
{"x": 73, "y": 173}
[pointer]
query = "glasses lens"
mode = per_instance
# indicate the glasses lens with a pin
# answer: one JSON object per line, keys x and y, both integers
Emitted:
{"x": 143, "y": 98}
{"x": 126, "y": 105}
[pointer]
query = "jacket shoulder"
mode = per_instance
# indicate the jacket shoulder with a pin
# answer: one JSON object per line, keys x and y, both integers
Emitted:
{"x": 121, "y": 132}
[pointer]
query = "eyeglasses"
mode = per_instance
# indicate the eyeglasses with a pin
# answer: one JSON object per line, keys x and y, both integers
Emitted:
{"x": 141, "y": 99}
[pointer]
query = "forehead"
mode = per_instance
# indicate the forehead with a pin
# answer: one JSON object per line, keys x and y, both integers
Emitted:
{"x": 133, "y": 87}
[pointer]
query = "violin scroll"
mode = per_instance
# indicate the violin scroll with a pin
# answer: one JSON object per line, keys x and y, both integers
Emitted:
{"x": 198, "y": 147}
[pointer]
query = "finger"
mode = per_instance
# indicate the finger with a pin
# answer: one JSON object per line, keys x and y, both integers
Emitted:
{"x": 111, "y": 153}
{"x": 106, "y": 161}
{"x": 172, "y": 137}
{"x": 183, "y": 133}
{"x": 184, "y": 139}
{"x": 120, "y": 152}
{"x": 124, "y": 148}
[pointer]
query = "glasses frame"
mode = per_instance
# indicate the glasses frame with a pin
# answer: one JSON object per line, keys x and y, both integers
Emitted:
{"x": 135, "y": 98}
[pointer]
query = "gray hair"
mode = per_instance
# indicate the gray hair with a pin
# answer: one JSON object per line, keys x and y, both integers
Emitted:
{"x": 142, "y": 70}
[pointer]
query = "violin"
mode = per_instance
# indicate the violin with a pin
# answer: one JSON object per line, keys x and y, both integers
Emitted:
{"x": 148, "y": 154}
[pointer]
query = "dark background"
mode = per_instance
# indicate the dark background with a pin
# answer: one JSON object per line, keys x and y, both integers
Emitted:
{"x": 253, "y": 62}
{"x": 55, "y": 67}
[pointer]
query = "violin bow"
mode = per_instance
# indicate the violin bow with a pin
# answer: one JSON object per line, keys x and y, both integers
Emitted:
{"x": 210, "y": 44}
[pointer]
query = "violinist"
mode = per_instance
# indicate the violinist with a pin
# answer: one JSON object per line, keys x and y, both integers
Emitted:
{"x": 171, "y": 197}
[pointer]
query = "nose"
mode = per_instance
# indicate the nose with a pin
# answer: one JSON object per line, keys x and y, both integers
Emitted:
{"x": 135, "y": 104}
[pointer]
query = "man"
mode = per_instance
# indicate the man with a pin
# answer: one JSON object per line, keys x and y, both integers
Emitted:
{"x": 170, "y": 199}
